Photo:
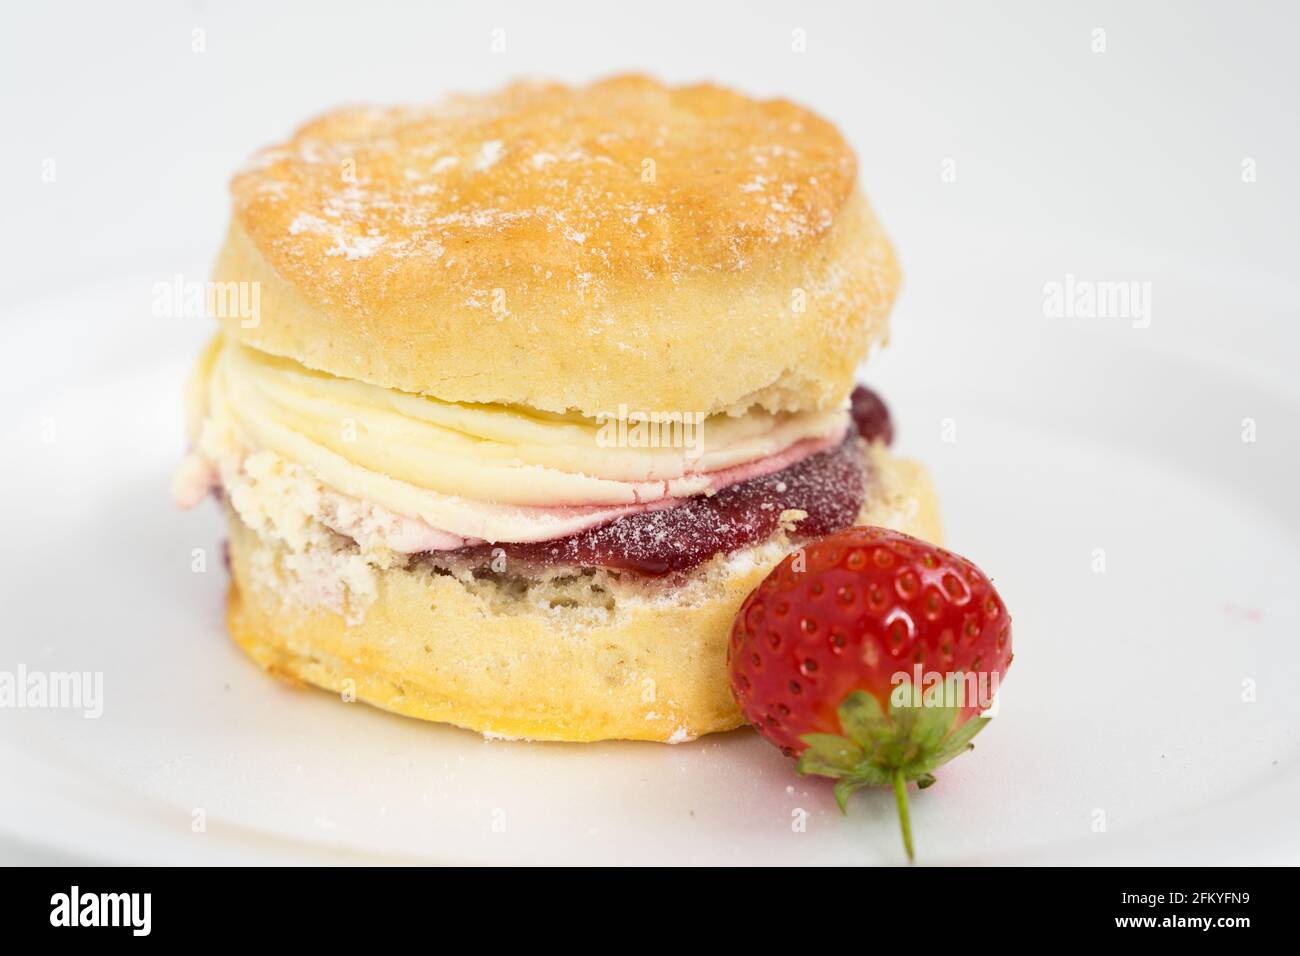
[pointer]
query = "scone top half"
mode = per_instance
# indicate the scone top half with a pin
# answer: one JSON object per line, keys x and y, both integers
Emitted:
{"x": 568, "y": 250}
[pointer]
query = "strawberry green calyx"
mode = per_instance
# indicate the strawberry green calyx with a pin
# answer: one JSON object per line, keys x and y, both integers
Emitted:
{"x": 917, "y": 735}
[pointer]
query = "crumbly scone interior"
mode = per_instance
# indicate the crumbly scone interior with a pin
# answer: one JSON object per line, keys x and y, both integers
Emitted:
{"x": 546, "y": 652}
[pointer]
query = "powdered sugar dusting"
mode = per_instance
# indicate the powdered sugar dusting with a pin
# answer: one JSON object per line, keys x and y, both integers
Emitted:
{"x": 488, "y": 155}
{"x": 543, "y": 183}
{"x": 346, "y": 242}
{"x": 356, "y": 247}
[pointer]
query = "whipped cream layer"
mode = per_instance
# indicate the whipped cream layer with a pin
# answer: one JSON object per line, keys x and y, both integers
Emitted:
{"x": 448, "y": 474}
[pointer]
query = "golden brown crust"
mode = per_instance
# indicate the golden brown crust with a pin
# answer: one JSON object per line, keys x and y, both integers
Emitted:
{"x": 569, "y": 248}
{"x": 444, "y": 648}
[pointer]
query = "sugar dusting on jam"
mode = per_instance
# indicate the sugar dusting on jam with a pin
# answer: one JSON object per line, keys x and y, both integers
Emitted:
{"x": 829, "y": 486}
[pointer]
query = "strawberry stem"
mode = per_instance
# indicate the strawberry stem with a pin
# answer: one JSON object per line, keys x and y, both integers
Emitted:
{"x": 904, "y": 819}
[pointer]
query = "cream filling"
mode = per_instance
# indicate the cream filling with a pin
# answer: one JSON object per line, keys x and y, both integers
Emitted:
{"x": 426, "y": 475}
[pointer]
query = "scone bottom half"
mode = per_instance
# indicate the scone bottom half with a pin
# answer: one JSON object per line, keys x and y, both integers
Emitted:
{"x": 526, "y": 648}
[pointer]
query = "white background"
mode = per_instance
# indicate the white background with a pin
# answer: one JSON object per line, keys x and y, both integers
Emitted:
{"x": 1073, "y": 435}
{"x": 1142, "y": 144}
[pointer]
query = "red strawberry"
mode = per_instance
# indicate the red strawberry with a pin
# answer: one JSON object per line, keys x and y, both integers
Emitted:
{"x": 854, "y": 653}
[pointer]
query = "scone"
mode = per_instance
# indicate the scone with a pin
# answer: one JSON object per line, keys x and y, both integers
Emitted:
{"x": 542, "y": 383}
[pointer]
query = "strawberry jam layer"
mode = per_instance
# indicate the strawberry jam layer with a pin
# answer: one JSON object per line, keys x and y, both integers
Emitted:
{"x": 829, "y": 486}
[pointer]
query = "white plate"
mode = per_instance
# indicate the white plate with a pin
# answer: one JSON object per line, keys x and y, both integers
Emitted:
{"x": 1125, "y": 700}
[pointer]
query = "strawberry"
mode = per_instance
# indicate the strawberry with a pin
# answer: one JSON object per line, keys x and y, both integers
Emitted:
{"x": 869, "y": 655}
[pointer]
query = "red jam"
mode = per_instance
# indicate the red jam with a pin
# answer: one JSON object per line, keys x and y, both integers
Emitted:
{"x": 829, "y": 486}
{"x": 871, "y": 415}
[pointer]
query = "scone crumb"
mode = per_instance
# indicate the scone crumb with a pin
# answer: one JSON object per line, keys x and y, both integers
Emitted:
{"x": 791, "y": 517}
{"x": 681, "y": 735}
